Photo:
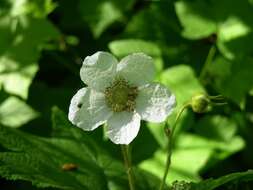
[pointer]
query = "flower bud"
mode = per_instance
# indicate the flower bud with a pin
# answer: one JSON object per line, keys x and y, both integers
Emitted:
{"x": 199, "y": 103}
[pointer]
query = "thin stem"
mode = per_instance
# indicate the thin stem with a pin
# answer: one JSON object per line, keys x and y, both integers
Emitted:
{"x": 208, "y": 61}
{"x": 218, "y": 97}
{"x": 170, "y": 144}
{"x": 219, "y": 103}
{"x": 128, "y": 165}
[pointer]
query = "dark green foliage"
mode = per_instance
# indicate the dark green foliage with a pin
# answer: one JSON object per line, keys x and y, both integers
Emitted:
{"x": 211, "y": 184}
{"x": 40, "y": 160}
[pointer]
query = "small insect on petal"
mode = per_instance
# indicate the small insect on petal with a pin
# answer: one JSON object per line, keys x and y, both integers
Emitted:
{"x": 69, "y": 167}
{"x": 79, "y": 105}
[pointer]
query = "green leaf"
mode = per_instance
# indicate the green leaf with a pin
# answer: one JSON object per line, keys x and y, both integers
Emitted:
{"x": 196, "y": 18}
{"x": 40, "y": 8}
{"x": 14, "y": 112}
{"x": 18, "y": 59}
{"x": 211, "y": 184}
{"x": 16, "y": 80}
{"x": 37, "y": 8}
{"x": 122, "y": 48}
{"x": 6, "y": 36}
{"x": 251, "y": 92}
{"x": 216, "y": 127}
{"x": 95, "y": 13}
{"x": 21, "y": 42}
{"x": 200, "y": 19}
{"x": 232, "y": 78}
{"x": 222, "y": 130}
{"x": 190, "y": 155}
{"x": 234, "y": 35}
{"x": 155, "y": 21}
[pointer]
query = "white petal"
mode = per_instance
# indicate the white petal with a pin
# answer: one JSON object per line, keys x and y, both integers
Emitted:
{"x": 137, "y": 68}
{"x": 123, "y": 127}
{"x": 98, "y": 70}
{"x": 88, "y": 109}
{"x": 78, "y": 98}
{"x": 155, "y": 102}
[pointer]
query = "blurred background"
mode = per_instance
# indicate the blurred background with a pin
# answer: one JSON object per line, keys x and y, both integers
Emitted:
{"x": 198, "y": 46}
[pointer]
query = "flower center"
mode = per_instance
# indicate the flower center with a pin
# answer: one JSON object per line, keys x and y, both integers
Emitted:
{"x": 120, "y": 96}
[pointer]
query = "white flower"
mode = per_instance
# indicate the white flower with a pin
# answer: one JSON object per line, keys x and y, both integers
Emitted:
{"x": 120, "y": 94}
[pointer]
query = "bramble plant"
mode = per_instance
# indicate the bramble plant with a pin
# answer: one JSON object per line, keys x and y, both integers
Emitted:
{"x": 126, "y": 95}
{"x": 121, "y": 94}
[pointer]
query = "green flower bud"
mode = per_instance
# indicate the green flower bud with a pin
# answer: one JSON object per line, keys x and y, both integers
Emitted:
{"x": 200, "y": 102}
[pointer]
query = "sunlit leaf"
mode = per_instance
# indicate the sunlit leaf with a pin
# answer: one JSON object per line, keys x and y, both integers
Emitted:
{"x": 196, "y": 19}
{"x": 230, "y": 20}
{"x": 102, "y": 14}
{"x": 14, "y": 112}
{"x": 18, "y": 59}
{"x": 190, "y": 155}
{"x": 122, "y": 48}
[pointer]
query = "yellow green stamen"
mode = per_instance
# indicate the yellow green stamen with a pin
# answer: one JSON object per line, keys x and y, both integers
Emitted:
{"x": 120, "y": 96}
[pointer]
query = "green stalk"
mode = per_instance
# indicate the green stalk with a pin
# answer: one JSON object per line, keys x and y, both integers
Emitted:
{"x": 170, "y": 144}
{"x": 208, "y": 61}
{"x": 128, "y": 165}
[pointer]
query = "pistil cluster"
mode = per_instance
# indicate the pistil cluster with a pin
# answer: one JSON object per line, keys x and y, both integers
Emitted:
{"x": 121, "y": 96}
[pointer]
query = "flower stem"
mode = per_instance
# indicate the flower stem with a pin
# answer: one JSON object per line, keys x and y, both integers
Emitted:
{"x": 170, "y": 144}
{"x": 128, "y": 165}
{"x": 208, "y": 61}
